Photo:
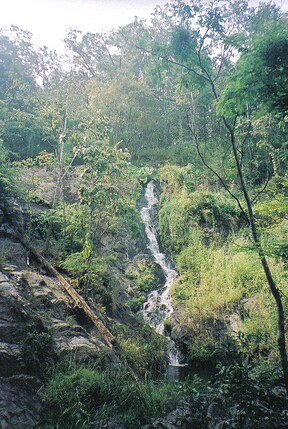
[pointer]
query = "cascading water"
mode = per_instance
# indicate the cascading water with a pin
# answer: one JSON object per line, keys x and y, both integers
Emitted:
{"x": 158, "y": 307}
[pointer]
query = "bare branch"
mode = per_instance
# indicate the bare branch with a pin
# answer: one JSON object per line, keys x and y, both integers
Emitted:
{"x": 191, "y": 70}
{"x": 263, "y": 189}
{"x": 215, "y": 172}
{"x": 151, "y": 51}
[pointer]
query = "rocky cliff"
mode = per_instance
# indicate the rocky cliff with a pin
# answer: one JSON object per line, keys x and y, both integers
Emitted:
{"x": 38, "y": 326}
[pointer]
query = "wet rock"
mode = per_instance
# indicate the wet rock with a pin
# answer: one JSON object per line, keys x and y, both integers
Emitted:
{"x": 20, "y": 405}
{"x": 73, "y": 334}
{"x": 186, "y": 338}
{"x": 13, "y": 212}
{"x": 30, "y": 299}
{"x": 11, "y": 361}
{"x": 11, "y": 251}
{"x": 279, "y": 392}
{"x": 12, "y": 327}
{"x": 217, "y": 417}
{"x": 107, "y": 424}
{"x": 78, "y": 347}
{"x": 215, "y": 411}
{"x": 181, "y": 417}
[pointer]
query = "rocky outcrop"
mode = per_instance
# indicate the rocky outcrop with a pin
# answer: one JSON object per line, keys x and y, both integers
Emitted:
{"x": 190, "y": 337}
{"x": 13, "y": 319}
{"x": 20, "y": 406}
{"x": 38, "y": 326}
{"x": 179, "y": 418}
{"x": 107, "y": 424}
{"x": 73, "y": 333}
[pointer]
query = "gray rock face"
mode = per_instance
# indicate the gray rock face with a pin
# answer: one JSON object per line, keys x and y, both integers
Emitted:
{"x": 107, "y": 424}
{"x": 179, "y": 418}
{"x": 73, "y": 334}
{"x": 217, "y": 417}
{"x": 20, "y": 406}
{"x": 12, "y": 327}
{"x": 33, "y": 307}
{"x": 12, "y": 212}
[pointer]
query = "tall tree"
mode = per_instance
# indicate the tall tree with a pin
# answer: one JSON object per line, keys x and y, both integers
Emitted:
{"x": 203, "y": 39}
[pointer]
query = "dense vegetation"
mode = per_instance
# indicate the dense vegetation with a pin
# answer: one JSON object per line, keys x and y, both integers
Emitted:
{"x": 197, "y": 101}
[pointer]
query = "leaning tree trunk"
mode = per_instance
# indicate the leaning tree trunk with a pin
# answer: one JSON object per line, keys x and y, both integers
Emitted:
{"x": 272, "y": 285}
{"x": 77, "y": 299}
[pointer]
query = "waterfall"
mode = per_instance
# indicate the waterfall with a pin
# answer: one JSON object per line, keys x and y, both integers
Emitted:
{"x": 158, "y": 307}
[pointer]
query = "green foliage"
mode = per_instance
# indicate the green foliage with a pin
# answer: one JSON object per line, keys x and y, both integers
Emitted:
{"x": 214, "y": 278}
{"x": 136, "y": 302}
{"x": 271, "y": 211}
{"x": 130, "y": 214}
{"x": 39, "y": 222}
{"x": 251, "y": 388}
{"x": 183, "y": 208}
{"x": 159, "y": 105}
{"x": 6, "y": 181}
{"x": 20, "y": 125}
{"x": 138, "y": 120}
{"x": 143, "y": 275}
{"x": 92, "y": 273}
{"x": 100, "y": 162}
{"x": 143, "y": 349}
{"x": 220, "y": 278}
{"x": 144, "y": 279}
{"x": 174, "y": 222}
{"x": 145, "y": 174}
{"x": 73, "y": 235}
{"x": 271, "y": 215}
{"x": 260, "y": 76}
{"x": 78, "y": 396}
{"x": 214, "y": 210}
{"x": 38, "y": 351}
{"x": 218, "y": 281}
{"x": 176, "y": 177}
{"x": 79, "y": 263}
{"x": 185, "y": 45}
{"x": 45, "y": 159}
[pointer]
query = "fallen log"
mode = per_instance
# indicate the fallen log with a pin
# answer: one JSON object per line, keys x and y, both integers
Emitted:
{"x": 68, "y": 288}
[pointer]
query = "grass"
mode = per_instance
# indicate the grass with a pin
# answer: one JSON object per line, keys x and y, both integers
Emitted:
{"x": 77, "y": 396}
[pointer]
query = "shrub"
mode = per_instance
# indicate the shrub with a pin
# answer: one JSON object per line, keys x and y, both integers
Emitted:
{"x": 38, "y": 351}
{"x": 144, "y": 350}
{"x": 77, "y": 396}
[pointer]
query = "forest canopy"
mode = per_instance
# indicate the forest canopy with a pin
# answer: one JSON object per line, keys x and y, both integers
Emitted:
{"x": 197, "y": 101}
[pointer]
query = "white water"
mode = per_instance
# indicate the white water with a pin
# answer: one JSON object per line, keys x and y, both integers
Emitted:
{"x": 158, "y": 307}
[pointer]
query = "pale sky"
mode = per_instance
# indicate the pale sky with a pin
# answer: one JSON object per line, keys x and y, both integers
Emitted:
{"x": 49, "y": 20}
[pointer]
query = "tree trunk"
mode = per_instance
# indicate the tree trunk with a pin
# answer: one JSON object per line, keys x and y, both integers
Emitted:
{"x": 272, "y": 285}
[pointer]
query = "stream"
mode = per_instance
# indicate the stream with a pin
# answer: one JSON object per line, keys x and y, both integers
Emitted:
{"x": 158, "y": 307}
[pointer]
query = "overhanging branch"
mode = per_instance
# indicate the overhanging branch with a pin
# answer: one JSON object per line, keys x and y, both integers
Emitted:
{"x": 263, "y": 189}
{"x": 225, "y": 186}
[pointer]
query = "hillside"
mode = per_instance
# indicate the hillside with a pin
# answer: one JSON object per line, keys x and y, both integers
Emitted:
{"x": 143, "y": 224}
